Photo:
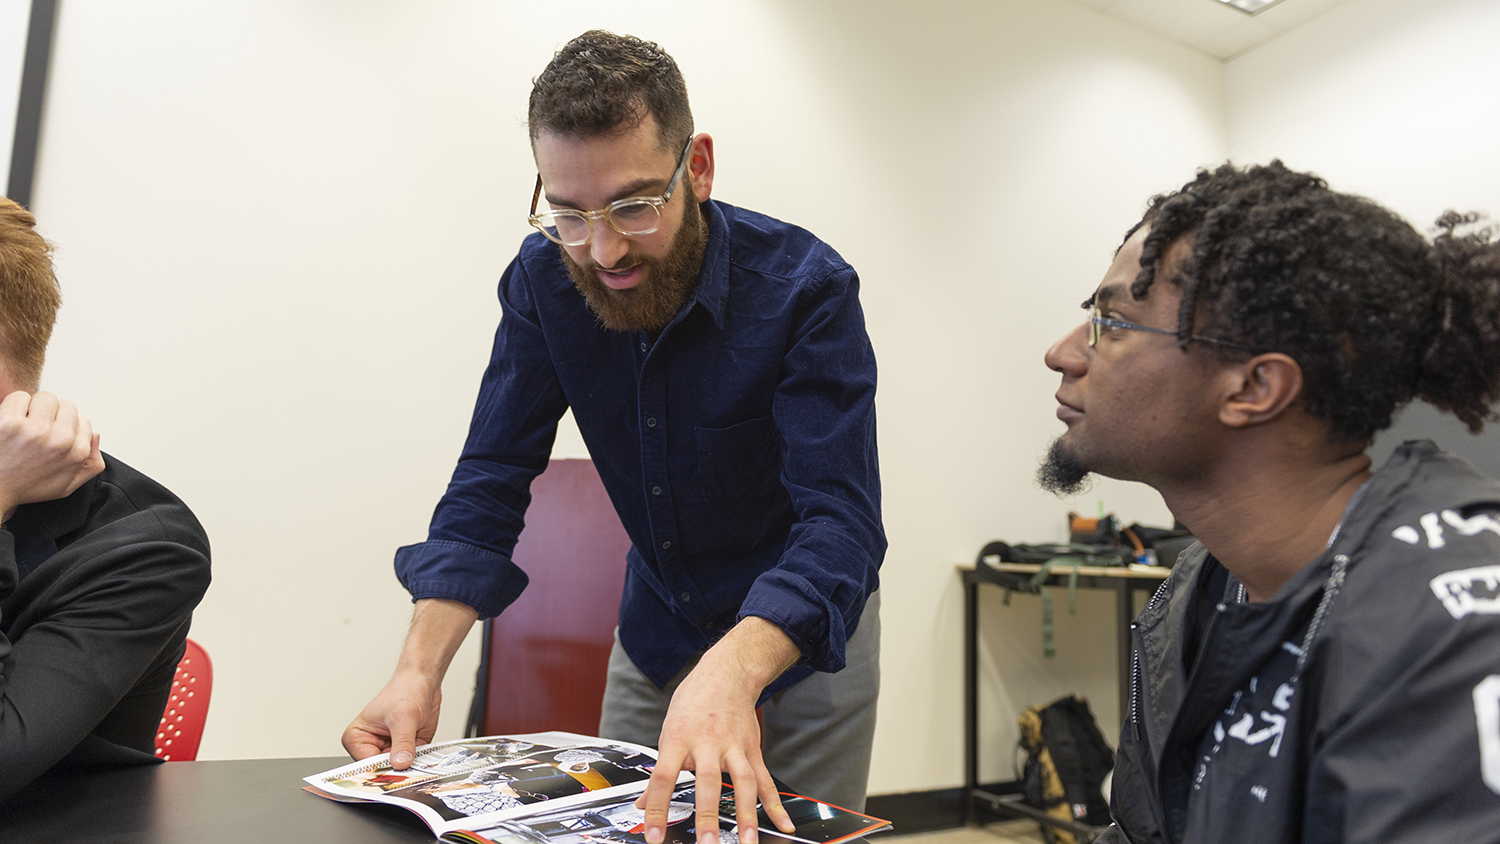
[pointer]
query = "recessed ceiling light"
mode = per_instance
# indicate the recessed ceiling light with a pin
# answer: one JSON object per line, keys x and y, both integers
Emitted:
{"x": 1250, "y": 7}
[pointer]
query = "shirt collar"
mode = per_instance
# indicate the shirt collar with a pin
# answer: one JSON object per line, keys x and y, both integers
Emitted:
{"x": 712, "y": 291}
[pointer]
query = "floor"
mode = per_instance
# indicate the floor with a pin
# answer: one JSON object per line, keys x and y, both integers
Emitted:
{"x": 1005, "y": 832}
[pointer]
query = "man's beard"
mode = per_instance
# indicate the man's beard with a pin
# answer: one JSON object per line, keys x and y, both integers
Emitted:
{"x": 1062, "y": 473}
{"x": 670, "y": 279}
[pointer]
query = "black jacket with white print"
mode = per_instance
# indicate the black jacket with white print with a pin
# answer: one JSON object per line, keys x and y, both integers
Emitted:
{"x": 1360, "y": 704}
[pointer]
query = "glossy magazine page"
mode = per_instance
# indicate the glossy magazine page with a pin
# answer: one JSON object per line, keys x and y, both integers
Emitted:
{"x": 616, "y": 820}
{"x": 605, "y": 820}
{"x": 473, "y": 784}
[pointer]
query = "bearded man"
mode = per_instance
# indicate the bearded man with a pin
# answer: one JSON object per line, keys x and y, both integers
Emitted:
{"x": 718, "y": 368}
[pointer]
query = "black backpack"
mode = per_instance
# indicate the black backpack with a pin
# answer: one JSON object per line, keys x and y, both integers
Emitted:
{"x": 1066, "y": 762}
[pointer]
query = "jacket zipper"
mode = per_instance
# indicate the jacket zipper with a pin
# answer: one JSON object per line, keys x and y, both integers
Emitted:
{"x": 1135, "y": 687}
{"x": 1135, "y": 664}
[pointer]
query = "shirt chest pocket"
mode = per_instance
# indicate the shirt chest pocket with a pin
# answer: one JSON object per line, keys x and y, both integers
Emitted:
{"x": 740, "y": 461}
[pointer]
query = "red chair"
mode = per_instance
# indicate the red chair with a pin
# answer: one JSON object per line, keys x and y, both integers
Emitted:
{"x": 545, "y": 658}
{"x": 187, "y": 707}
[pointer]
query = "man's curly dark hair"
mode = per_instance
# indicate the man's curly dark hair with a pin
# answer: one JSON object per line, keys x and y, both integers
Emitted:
{"x": 1373, "y": 314}
{"x": 600, "y": 83}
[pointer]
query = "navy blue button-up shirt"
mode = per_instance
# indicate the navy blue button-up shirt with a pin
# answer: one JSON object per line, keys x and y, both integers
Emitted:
{"x": 738, "y": 448}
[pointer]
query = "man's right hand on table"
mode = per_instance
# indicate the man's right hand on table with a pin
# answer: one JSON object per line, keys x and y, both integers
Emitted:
{"x": 405, "y": 713}
{"x": 402, "y": 716}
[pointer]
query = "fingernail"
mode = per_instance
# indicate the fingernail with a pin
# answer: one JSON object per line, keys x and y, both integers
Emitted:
{"x": 654, "y": 835}
{"x": 401, "y": 758}
{"x": 748, "y": 836}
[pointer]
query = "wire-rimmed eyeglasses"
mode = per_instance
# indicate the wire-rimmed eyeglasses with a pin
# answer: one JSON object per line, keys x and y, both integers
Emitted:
{"x": 1097, "y": 324}
{"x": 632, "y": 216}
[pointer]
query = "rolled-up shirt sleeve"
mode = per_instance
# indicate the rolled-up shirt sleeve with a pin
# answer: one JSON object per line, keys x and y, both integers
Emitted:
{"x": 824, "y": 409}
{"x": 466, "y": 557}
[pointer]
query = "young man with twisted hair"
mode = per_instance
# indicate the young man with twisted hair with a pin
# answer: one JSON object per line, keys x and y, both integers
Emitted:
{"x": 1325, "y": 665}
{"x": 100, "y": 567}
{"x": 718, "y": 368}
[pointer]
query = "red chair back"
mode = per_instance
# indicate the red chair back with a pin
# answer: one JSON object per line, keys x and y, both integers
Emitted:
{"x": 187, "y": 708}
{"x": 549, "y": 651}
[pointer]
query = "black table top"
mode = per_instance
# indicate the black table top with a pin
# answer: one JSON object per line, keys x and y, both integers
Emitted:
{"x": 251, "y": 800}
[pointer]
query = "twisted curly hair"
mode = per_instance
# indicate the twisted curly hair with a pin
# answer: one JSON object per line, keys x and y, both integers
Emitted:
{"x": 601, "y": 83}
{"x": 1373, "y": 313}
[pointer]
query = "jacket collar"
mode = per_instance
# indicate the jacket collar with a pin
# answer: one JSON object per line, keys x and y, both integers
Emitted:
{"x": 38, "y": 527}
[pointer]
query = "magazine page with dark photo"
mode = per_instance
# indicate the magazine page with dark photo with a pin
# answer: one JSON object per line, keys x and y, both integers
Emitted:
{"x": 817, "y": 822}
{"x": 473, "y": 783}
{"x": 609, "y": 820}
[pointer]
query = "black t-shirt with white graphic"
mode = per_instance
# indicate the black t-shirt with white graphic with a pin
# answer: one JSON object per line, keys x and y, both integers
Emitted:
{"x": 1248, "y": 761}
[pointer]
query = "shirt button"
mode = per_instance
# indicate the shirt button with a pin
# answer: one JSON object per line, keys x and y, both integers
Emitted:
{"x": 656, "y": 490}
{"x": 643, "y": 347}
{"x": 708, "y": 626}
{"x": 651, "y": 422}
{"x": 687, "y": 597}
{"x": 666, "y": 545}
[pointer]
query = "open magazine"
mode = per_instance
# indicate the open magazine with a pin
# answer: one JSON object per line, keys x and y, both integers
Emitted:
{"x": 557, "y": 788}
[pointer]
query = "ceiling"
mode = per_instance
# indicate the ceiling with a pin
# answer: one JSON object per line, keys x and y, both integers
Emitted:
{"x": 1210, "y": 26}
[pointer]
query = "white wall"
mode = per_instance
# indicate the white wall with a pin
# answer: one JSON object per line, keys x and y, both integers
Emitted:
{"x": 1392, "y": 99}
{"x": 1018, "y": 141}
{"x": 279, "y": 225}
{"x": 15, "y": 19}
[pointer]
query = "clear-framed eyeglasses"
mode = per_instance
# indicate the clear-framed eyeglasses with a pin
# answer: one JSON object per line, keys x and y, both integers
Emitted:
{"x": 632, "y": 216}
{"x": 1098, "y": 324}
